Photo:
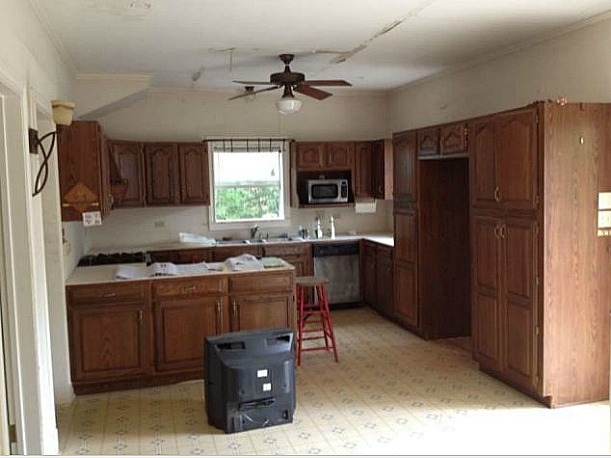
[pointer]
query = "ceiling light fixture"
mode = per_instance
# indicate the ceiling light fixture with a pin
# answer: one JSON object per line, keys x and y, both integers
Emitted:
{"x": 62, "y": 116}
{"x": 288, "y": 104}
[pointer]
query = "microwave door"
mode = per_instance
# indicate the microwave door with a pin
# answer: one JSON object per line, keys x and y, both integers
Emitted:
{"x": 324, "y": 191}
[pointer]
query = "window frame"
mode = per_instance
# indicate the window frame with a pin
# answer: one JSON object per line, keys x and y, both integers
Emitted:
{"x": 284, "y": 168}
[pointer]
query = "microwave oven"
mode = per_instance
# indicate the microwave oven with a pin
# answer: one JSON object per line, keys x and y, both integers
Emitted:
{"x": 327, "y": 191}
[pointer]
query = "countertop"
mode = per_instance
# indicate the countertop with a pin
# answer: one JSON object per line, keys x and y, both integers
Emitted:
{"x": 382, "y": 238}
{"x": 106, "y": 274}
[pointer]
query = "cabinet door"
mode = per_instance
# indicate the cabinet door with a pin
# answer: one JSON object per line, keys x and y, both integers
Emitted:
{"x": 519, "y": 307}
{"x": 382, "y": 167}
{"x": 404, "y": 168}
{"x": 309, "y": 155}
{"x": 384, "y": 272}
{"x": 81, "y": 169}
{"x": 486, "y": 290}
{"x": 194, "y": 256}
{"x": 428, "y": 142}
{"x": 262, "y": 311}
{"x": 369, "y": 276}
{"x": 516, "y": 151}
{"x": 108, "y": 341}
{"x": 181, "y": 327}
{"x": 406, "y": 237}
{"x": 194, "y": 177}
{"x": 299, "y": 255}
{"x": 483, "y": 168}
{"x": 453, "y": 139}
{"x": 363, "y": 185}
{"x": 406, "y": 292}
{"x": 127, "y": 173}
{"x": 162, "y": 179}
{"x": 339, "y": 155}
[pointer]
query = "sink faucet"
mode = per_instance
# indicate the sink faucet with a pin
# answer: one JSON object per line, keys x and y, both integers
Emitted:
{"x": 253, "y": 231}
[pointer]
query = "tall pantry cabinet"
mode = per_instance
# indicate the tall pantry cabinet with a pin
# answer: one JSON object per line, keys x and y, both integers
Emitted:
{"x": 540, "y": 264}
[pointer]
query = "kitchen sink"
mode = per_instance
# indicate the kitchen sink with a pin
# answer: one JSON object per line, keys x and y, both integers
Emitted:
{"x": 240, "y": 241}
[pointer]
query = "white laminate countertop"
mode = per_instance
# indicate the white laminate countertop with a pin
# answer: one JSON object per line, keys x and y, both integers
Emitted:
{"x": 106, "y": 274}
{"x": 382, "y": 238}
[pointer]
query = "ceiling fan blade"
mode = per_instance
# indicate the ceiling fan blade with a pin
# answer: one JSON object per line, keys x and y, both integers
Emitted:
{"x": 326, "y": 83}
{"x": 247, "y": 93}
{"x": 251, "y": 82}
{"x": 312, "y": 92}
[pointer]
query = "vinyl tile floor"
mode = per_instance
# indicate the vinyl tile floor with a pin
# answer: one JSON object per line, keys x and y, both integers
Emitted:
{"x": 391, "y": 393}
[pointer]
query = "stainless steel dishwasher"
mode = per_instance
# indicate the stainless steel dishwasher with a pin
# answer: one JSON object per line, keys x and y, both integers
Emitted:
{"x": 339, "y": 264}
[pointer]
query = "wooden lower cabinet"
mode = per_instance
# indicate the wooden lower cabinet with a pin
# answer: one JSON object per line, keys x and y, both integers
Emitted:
{"x": 181, "y": 326}
{"x": 504, "y": 327}
{"x": 384, "y": 281}
{"x": 297, "y": 254}
{"x": 368, "y": 270}
{"x": 109, "y": 341}
{"x": 149, "y": 332}
{"x": 262, "y": 311}
{"x": 406, "y": 293}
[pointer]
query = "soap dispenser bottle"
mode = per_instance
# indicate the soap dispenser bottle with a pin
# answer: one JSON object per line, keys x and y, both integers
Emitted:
{"x": 317, "y": 228}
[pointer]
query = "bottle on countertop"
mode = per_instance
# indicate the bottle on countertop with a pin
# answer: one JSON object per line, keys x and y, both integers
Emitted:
{"x": 317, "y": 228}
{"x": 332, "y": 227}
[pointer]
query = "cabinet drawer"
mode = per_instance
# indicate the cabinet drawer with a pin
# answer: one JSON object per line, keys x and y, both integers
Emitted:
{"x": 287, "y": 250}
{"x": 107, "y": 293}
{"x": 253, "y": 283}
{"x": 196, "y": 286}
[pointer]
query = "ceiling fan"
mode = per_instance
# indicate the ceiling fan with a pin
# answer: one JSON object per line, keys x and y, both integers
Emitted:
{"x": 292, "y": 81}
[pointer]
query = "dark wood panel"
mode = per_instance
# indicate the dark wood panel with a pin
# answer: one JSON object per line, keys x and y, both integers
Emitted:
{"x": 453, "y": 139}
{"x": 309, "y": 155}
{"x": 516, "y": 152}
{"x": 486, "y": 336}
{"x": 443, "y": 241}
{"x": 406, "y": 237}
{"x": 406, "y": 292}
{"x": 384, "y": 280}
{"x": 181, "y": 327}
{"x": 194, "y": 175}
{"x": 219, "y": 254}
{"x": 363, "y": 181}
{"x": 108, "y": 342}
{"x": 127, "y": 164}
{"x": 483, "y": 182}
{"x": 382, "y": 169}
{"x": 262, "y": 311}
{"x": 194, "y": 256}
{"x": 369, "y": 273}
{"x": 162, "y": 174}
{"x": 404, "y": 166}
{"x": 339, "y": 155}
{"x": 428, "y": 142}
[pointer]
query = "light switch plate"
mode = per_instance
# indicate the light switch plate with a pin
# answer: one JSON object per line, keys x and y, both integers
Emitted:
{"x": 92, "y": 219}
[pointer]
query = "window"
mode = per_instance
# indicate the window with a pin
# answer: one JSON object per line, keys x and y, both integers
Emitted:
{"x": 248, "y": 182}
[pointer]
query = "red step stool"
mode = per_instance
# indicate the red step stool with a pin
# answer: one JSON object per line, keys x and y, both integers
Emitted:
{"x": 313, "y": 316}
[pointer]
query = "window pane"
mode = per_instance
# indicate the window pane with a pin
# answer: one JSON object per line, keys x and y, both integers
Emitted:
{"x": 248, "y": 186}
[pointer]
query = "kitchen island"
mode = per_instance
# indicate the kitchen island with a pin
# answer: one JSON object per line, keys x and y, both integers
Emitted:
{"x": 134, "y": 333}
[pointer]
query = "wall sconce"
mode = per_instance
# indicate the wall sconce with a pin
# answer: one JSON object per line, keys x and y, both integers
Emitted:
{"x": 62, "y": 116}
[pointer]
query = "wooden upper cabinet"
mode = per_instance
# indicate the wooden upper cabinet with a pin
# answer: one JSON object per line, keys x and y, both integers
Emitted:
{"x": 339, "y": 155}
{"x": 316, "y": 156}
{"x": 453, "y": 139}
{"x": 483, "y": 167}
{"x": 363, "y": 185}
{"x": 428, "y": 142}
{"x": 404, "y": 166}
{"x": 162, "y": 174}
{"x": 516, "y": 153}
{"x": 309, "y": 155}
{"x": 382, "y": 168}
{"x": 126, "y": 173}
{"x": 194, "y": 181}
{"x": 504, "y": 163}
{"x": 83, "y": 170}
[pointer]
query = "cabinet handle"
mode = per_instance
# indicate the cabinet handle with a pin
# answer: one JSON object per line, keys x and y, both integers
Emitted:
{"x": 497, "y": 231}
{"x": 219, "y": 315}
{"x": 504, "y": 231}
{"x": 108, "y": 295}
{"x": 139, "y": 317}
{"x": 188, "y": 289}
{"x": 497, "y": 194}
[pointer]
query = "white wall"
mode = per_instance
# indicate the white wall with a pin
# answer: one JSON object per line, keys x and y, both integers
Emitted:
{"x": 190, "y": 115}
{"x": 576, "y": 65}
{"x": 29, "y": 62}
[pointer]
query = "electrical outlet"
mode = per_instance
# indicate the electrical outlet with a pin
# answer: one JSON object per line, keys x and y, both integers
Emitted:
{"x": 159, "y": 224}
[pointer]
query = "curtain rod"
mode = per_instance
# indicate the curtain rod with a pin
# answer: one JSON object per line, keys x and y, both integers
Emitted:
{"x": 256, "y": 143}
